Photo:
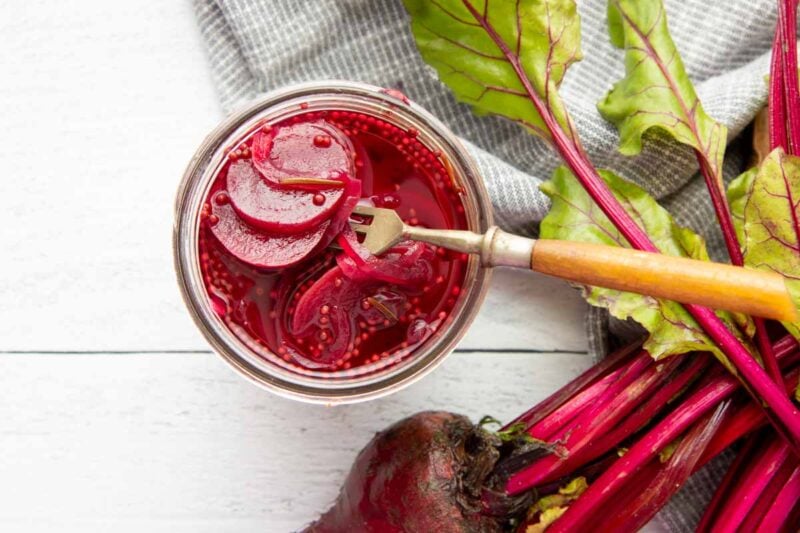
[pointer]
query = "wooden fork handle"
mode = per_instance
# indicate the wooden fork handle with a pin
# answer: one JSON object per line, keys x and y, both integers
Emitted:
{"x": 714, "y": 285}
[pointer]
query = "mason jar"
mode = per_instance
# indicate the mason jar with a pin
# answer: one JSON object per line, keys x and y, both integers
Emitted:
{"x": 260, "y": 365}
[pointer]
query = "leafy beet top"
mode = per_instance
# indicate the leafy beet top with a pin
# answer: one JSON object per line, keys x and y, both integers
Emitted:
{"x": 283, "y": 196}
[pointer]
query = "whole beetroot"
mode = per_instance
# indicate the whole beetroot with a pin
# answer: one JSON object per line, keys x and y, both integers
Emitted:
{"x": 425, "y": 474}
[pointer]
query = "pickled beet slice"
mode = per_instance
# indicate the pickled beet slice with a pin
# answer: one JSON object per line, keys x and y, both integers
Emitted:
{"x": 255, "y": 247}
{"x": 313, "y": 150}
{"x": 279, "y": 209}
{"x": 339, "y": 220}
{"x": 328, "y": 308}
{"x": 408, "y": 263}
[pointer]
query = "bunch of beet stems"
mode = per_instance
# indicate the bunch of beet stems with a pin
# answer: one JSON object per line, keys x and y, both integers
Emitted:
{"x": 764, "y": 390}
{"x": 761, "y": 490}
{"x": 632, "y": 404}
{"x": 614, "y": 405}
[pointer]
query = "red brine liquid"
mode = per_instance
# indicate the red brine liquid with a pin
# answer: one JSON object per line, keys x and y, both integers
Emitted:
{"x": 288, "y": 276}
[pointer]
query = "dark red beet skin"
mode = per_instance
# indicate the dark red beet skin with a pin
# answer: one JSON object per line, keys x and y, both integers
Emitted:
{"x": 416, "y": 476}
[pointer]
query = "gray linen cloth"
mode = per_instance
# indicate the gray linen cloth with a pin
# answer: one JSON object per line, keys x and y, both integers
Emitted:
{"x": 259, "y": 45}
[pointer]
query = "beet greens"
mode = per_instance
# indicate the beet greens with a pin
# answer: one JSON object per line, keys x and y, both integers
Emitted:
{"x": 500, "y": 66}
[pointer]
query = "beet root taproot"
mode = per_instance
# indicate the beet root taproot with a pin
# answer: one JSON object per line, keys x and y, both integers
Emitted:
{"x": 425, "y": 473}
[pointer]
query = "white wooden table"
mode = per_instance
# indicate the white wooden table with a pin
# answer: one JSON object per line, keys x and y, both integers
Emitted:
{"x": 114, "y": 415}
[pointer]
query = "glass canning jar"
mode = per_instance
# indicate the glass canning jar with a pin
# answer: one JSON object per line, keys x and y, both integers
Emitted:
{"x": 259, "y": 364}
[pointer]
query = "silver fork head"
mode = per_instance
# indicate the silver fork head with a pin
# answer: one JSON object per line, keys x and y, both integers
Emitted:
{"x": 382, "y": 232}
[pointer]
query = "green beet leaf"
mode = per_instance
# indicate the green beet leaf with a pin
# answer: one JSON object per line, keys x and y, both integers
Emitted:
{"x": 656, "y": 91}
{"x": 766, "y": 203}
{"x": 738, "y": 190}
{"x": 502, "y": 58}
{"x": 575, "y": 217}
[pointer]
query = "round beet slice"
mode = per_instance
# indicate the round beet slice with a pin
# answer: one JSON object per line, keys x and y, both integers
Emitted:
{"x": 256, "y": 247}
{"x": 302, "y": 153}
{"x": 279, "y": 209}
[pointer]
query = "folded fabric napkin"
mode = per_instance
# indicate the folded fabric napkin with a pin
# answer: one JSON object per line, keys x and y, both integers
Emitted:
{"x": 259, "y": 45}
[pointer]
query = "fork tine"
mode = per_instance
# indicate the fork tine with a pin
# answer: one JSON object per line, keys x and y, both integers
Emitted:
{"x": 360, "y": 228}
{"x": 365, "y": 210}
{"x": 383, "y": 230}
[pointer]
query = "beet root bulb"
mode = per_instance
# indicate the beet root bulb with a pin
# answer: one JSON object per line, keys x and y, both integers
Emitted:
{"x": 424, "y": 473}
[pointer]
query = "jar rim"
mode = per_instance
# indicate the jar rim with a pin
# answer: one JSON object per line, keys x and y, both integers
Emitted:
{"x": 202, "y": 170}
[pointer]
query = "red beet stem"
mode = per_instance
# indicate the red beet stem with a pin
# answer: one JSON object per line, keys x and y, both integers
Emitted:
{"x": 721, "y": 208}
{"x": 777, "y": 108}
{"x": 591, "y": 426}
{"x": 731, "y": 477}
{"x": 716, "y": 191}
{"x": 779, "y": 515}
{"x": 767, "y": 497}
{"x": 759, "y": 469}
{"x": 703, "y": 399}
{"x": 629, "y": 374}
{"x": 787, "y": 52}
{"x": 580, "y": 383}
{"x": 784, "y": 415}
{"x": 765, "y": 348}
{"x": 723, "y": 212}
{"x": 716, "y": 388}
{"x": 611, "y": 481}
{"x": 654, "y": 404}
{"x": 664, "y": 480}
{"x": 619, "y": 509}
{"x": 787, "y": 21}
{"x": 747, "y": 419}
{"x": 558, "y": 419}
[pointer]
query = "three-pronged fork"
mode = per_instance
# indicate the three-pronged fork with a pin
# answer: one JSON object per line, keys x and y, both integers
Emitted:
{"x": 714, "y": 285}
